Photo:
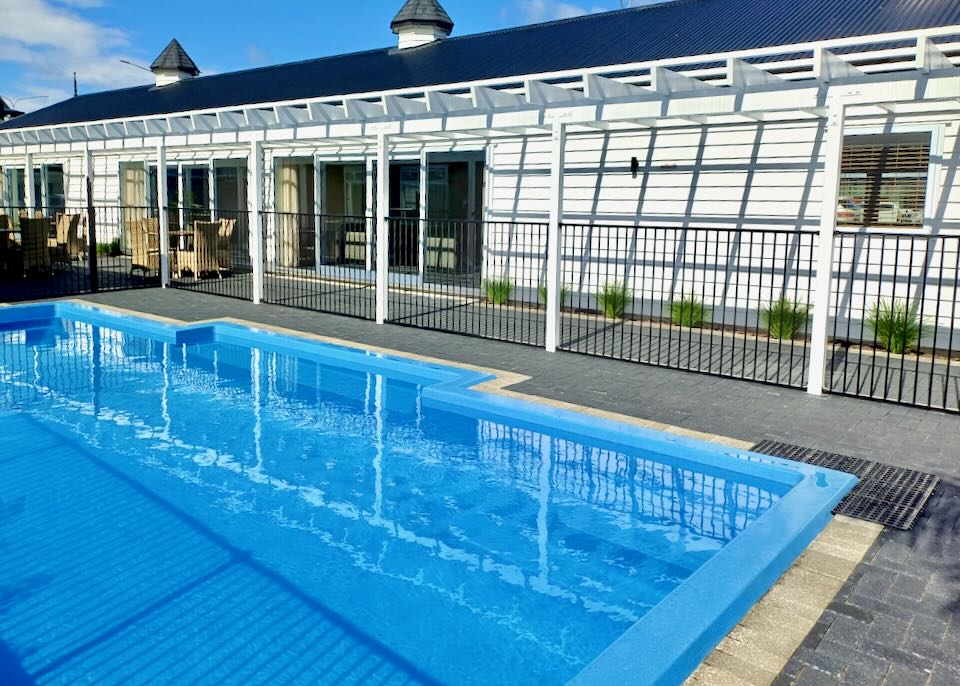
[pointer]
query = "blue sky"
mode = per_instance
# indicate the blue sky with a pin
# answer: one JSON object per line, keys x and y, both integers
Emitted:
{"x": 42, "y": 42}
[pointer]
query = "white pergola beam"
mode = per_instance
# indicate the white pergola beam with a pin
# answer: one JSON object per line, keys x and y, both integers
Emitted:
{"x": 444, "y": 103}
{"x": 546, "y": 94}
{"x": 930, "y": 57}
{"x": 602, "y": 88}
{"x": 485, "y": 98}
{"x": 326, "y": 113}
{"x": 668, "y": 82}
{"x": 362, "y": 110}
{"x": 395, "y": 106}
{"x": 291, "y": 116}
{"x": 828, "y": 67}
{"x": 745, "y": 76}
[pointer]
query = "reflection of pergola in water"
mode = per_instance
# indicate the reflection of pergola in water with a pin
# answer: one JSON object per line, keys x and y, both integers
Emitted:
{"x": 554, "y": 473}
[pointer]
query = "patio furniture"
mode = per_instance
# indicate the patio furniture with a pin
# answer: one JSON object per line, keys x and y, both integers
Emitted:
{"x": 200, "y": 255}
{"x": 34, "y": 237}
{"x": 355, "y": 245}
{"x": 441, "y": 252}
{"x": 228, "y": 228}
{"x": 66, "y": 246}
{"x": 145, "y": 244}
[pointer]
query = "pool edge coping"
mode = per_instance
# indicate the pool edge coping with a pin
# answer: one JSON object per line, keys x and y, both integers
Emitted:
{"x": 498, "y": 382}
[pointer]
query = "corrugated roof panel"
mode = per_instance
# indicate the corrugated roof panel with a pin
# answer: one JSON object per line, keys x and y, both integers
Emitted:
{"x": 671, "y": 30}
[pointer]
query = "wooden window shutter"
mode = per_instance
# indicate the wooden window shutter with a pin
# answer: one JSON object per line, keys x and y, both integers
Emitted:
{"x": 883, "y": 180}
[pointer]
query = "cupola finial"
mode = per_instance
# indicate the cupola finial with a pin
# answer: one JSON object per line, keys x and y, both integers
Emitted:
{"x": 173, "y": 64}
{"x": 420, "y": 22}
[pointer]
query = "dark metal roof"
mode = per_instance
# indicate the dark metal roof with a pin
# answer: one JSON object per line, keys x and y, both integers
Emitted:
{"x": 670, "y": 30}
{"x": 175, "y": 58}
{"x": 422, "y": 12}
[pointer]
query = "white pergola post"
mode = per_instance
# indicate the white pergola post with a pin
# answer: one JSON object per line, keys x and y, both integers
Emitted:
{"x": 161, "y": 195}
{"x": 318, "y": 200}
{"x": 255, "y": 205}
{"x": 422, "y": 211}
{"x": 557, "y": 146}
{"x": 828, "y": 224}
{"x": 88, "y": 172}
{"x": 28, "y": 198}
{"x": 369, "y": 203}
{"x": 211, "y": 189}
{"x": 383, "y": 227}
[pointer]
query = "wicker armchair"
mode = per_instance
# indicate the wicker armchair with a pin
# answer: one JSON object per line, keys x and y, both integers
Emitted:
{"x": 34, "y": 247}
{"x": 202, "y": 258}
{"x": 228, "y": 228}
{"x": 145, "y": 245}
{"x": 66, "y": 246}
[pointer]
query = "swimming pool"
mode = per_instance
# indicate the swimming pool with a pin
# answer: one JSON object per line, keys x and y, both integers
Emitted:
{"x": 218, "y": 504}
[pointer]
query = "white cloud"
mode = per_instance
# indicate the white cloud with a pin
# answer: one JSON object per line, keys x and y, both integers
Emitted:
{"x": 534, "y": 11}
{"x": 51, "y": 39}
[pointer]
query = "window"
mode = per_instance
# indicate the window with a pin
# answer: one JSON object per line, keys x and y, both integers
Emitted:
{"x": 883, "y": 180}
{"x": 56, "y": 196}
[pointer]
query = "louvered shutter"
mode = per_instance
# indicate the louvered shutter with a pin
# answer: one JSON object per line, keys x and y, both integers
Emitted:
{"x": 883, "y": 180}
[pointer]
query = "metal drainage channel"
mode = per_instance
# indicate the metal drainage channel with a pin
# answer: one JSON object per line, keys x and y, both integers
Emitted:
{"x": 887, "y": 495}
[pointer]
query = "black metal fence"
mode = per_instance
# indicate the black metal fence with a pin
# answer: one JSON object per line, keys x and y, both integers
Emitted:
{"x": 210, "y": 251}
{"x": 897, "y": 309}
{"x": 53, "y": 252}
{"x": 320, "y": 262}
{"x": 470, "y": 277}
{"x": 734, "y": 303}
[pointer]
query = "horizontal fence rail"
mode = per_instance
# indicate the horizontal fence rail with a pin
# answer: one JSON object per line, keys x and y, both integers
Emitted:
{"x": 51, "y": 252}
{"x": 724, "y": 302}
{"x": 897, "y": 305}
{"x": 469, "y": 277}
{"x": 210, "y": 251}
{"x": 320, "y": 262}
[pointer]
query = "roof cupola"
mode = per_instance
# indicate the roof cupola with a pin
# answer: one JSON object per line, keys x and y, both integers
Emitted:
{"x": 173, "y": 65}
{"x": 420, "y": 22}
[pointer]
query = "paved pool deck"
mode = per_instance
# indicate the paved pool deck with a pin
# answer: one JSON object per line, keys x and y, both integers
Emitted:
{"x": 895, "y": 620}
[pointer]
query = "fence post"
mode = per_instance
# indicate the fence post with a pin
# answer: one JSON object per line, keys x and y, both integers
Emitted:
{"x": 92, "y": 238}
{"x": 383, "y": 227}
{"x": 164, "y": 214}
{"x": 255, "y": 204}
{"x": 836, "y": 115}
{"x": 557, "y": 146}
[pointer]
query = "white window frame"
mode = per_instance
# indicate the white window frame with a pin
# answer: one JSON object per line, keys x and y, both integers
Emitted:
{"x": 931, "y": 197}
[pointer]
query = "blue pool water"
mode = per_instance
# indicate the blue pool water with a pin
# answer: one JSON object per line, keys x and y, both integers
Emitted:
{"x": 219, "y": 512}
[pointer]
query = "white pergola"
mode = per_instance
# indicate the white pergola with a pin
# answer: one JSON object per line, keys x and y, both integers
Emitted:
{"x": 836, "y": 80}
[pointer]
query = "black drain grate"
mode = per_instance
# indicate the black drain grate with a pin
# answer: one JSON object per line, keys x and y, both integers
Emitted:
{"x": 892, "y": 496}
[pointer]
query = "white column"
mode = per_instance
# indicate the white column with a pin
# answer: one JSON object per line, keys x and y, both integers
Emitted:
{"x": 368, "y": 204}
{"x": 828, "y": 225}
{"x": 88, "y": 195}
{"x": 318, "y": 199}
{"x": 423, "y": 210}
{"x": 182, "y": 197}
{"x": 255, "y": 205}
{"x": 161, "y": 196}
{"x": 558, "y": 143}
{"x": 211, "y": 188}
{"x": 28, "y": 183}
{"x": 383, "y": 227}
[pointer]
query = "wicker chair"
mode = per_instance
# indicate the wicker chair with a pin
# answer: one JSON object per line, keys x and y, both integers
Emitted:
{"x": 228, "y": 228}
{"x": 145, "y": 243}
{"x": 34, "y": 247}
{"x": 202, "y": 259}
{"x": 66, "y": 246}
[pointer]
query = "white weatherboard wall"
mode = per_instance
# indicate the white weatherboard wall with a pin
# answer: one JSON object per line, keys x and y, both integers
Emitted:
{"x": 744, "y": 176}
